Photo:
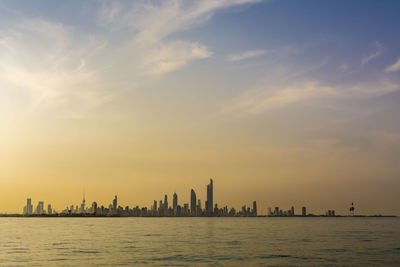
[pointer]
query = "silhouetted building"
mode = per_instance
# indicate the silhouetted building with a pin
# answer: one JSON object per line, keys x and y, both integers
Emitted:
{"x": 82, "y": 210}
{"x": 155, "y": 206}
{"x": 28, "y": 209}
{"x": 175, "y": 203}
{"x": 49, "y": 209}
{"x": 210, "y": 202}
{"x": 115, "y": 203}
{"x": 330, "y": 213}
{"x": 165, "y": 205}
{"x": 304, "y": 211}
{"x": 292, "y": 211}
{"x": 193, "y": 209}
{"x": 94, "y": 207}
{"x": 351, "y": 209}
{"x": 254, "y": 208}
{"x": 185, "y": 209}
{"x": 40, "y": 208}
{"x": 276, "y": 211}
{"x": 160, "y": 209}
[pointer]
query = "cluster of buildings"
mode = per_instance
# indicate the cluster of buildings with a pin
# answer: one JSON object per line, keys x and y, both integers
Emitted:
{"x": 160, "y": 208}
{"x": 330, "y": 213}
{"x": 39, "y": 210}
{"x": 284, "y": 213}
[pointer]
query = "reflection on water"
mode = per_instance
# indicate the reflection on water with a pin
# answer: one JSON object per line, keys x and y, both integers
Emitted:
{"x": 200, "y": 241}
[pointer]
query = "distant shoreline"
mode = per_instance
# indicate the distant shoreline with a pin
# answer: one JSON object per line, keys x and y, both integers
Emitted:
{"x": 260, "y": 216}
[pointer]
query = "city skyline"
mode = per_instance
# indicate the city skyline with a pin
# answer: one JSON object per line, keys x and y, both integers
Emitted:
{"x": 284, "y": 102}
{"x": 191, "y": 198}
{"x": 165, "y": 209}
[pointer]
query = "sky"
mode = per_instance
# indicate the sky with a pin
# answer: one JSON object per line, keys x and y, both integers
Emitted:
{"x": 284, "y": 102}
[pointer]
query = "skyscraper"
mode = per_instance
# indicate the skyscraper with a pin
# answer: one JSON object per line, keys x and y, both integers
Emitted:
{"x": 115, "y": 203}
{"x": 276, "y": 211}
{"x": 94, "y": 207}
{"x": 304, "y": 211}
{"x": 210, "y": 202}
{"x": 193, "y": 209}
{"x": 28, "y": 208}
{"x": 254, "y": 208}
{"x": 49, "y": 209}
{"x": 40, "y": 208}
{"x": 155, "y": 206}
{"x": 83, "y": 203}
{"x": 175, "y": 203}
{"x": 165, "y": 205}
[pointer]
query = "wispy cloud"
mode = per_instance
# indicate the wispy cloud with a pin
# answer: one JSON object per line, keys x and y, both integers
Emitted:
{"x": 59, "y": 66}
{"x": 370, "y": 57}
{"x": 256, "y": 101}
{"x": 151, "y": 23}
{"x": 43, "y": 61}
{"x": 373, "y": 55}
{"x": 394, "y": 67}
{"x": 247, "y": 54}
{"x": 172, "y": 56}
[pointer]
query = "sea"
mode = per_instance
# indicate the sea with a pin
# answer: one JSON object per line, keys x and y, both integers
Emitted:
{"x": 261, "y": 241}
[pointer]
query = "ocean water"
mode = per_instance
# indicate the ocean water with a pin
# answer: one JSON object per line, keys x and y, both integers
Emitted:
{"x": 200, "y": 241}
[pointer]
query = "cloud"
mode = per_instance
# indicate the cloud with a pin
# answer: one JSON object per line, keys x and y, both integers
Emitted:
{"x": 373, "y": 55}
{"x": 57, "y": 66}
{"x": 370, "y": 57}
{"x": 45, "y": 62}
{"x": 381, "y": 86}
{"x": 257, "y": 101}
{"x": 394, "y": 67}
{"x": 155, "y": 20}
{"x": 172, "y": 56}
{"x": 151, "y": 25}
{"x": 247, "y": 55}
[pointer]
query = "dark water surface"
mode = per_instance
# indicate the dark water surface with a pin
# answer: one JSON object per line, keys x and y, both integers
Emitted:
{"x": 200, "y": 241}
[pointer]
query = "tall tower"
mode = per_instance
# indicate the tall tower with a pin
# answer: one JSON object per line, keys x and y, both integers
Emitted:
{"x": 83, "y": 203}
{"x": 155, "y": 206}
{"x": 210, "y": 202}
{"x": 40, "y": 208}
{"x": 94, "y": 207}
{"x": 193, "y": 203}
{"x": 254, "y": 208}
{"x": 352, "y": 209}
{"x": 115, "y": 202}
{"x": 29, "y": 207}
{"x": 175, "y": 203}
{"x": 165, "y": 205}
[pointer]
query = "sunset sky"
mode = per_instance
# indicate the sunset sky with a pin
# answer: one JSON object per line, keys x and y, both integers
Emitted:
{"x": 282, "y": 102}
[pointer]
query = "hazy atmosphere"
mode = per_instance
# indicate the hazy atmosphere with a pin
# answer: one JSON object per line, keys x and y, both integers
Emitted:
{"x": 280, "y": 102}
